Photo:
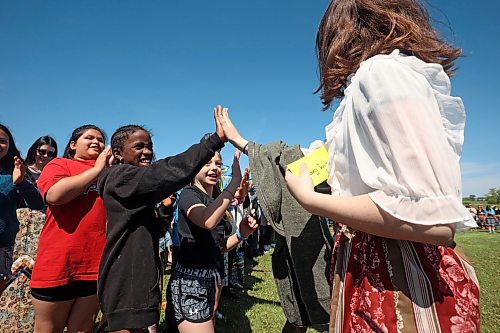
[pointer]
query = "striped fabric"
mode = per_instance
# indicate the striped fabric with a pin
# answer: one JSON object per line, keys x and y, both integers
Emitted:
{"x": 385, "y": 285}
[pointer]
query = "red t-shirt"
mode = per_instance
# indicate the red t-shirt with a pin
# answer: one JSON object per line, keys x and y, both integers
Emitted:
{"x": 74, "y": 234}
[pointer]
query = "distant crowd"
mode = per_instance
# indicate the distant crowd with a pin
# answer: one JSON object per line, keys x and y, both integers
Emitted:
{"x": 486, "y": 217}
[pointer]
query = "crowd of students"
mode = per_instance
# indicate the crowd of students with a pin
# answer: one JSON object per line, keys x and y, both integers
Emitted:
{"x": 486, "y": 217}
{"x": 394, "y": 191}
{"x": 100, "y": 243}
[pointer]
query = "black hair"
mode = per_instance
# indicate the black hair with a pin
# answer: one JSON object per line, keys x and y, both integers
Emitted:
{"x": 7, "y": 162}
{"x": 121, "y": 135}
{"x": 77, "y": 133}
{"x": 41, "y": 141}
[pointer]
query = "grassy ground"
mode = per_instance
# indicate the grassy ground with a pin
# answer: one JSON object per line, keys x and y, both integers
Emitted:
{"x": 257, "y": 309}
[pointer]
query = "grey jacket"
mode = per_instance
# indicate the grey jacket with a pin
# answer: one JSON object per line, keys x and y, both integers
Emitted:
{"x": 301, "y": 259}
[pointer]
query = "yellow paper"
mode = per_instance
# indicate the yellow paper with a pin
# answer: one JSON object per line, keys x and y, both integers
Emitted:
{"x": 317, "y": 164}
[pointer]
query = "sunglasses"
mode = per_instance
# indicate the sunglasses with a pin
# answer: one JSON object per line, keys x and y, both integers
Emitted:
{"x": 44, "y": 152}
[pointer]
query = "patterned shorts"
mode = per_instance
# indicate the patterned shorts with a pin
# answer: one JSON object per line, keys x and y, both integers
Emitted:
{"x": 193, "y": 293}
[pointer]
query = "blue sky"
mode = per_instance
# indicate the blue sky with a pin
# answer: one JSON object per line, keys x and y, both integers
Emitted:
{"x": 166, "y": 64}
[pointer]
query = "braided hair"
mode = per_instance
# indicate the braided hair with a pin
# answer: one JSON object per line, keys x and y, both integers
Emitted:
{"x": 120, "y": 136}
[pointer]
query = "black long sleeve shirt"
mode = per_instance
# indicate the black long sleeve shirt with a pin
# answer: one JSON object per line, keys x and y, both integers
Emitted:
{"x": 130, "y": 269}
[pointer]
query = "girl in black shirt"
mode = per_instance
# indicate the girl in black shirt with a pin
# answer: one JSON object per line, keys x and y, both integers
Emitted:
{"x": 195, "y": 281}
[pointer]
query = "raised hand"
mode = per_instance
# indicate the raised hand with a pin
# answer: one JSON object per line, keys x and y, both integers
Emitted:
{"x": 300, "y": 187}
{"x": 248, "y": 225}
{"x": 19, "y": 171}
{"x": 236, "y": 171}
{"x": 218, "y": 126}
{"x": 230, "y": 132}
{"x": 244, "y": 187}
{"x": 105, "y": 159}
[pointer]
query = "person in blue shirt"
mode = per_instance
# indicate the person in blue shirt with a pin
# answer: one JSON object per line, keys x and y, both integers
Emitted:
{"x": 490, "y": 219}
{"x": 14, "y": 189}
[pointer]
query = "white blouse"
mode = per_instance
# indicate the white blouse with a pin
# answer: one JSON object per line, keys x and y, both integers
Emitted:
{"x": 397, "y": 136}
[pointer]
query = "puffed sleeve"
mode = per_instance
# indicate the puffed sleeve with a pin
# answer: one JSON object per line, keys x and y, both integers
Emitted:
{"x": 402, "y": 148}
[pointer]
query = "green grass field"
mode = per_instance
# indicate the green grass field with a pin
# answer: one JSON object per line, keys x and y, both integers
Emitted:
{"x": 257, "y": 309}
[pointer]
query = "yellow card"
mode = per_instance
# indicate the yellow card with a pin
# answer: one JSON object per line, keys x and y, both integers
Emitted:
{"x": 317, "y": 163}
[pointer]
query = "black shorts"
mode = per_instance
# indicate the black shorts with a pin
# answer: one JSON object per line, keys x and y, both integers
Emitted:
{"x": 66, "y": 292}
{"x": 193, "y": 293}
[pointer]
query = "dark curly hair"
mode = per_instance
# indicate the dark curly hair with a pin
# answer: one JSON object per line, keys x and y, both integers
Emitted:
{"x": 78, "y": 132}
{"x": 352, "y": 31}
{"x": 7, "y": 162}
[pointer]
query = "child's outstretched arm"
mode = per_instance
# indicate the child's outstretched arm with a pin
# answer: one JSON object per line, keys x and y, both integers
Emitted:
{"x": 163, "y": 177}
{"x": 361, "y": 213}
{"x": 209, "y": 216}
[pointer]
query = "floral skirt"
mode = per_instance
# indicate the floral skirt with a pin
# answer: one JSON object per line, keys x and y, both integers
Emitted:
{"x": 386, "y": 285}
{"x": 16, "y": 310}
